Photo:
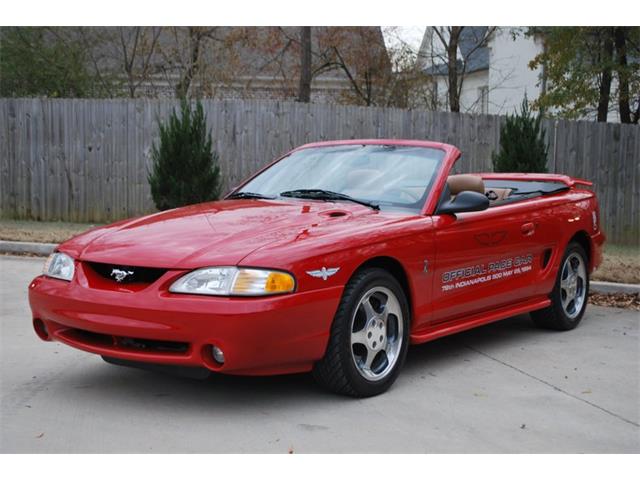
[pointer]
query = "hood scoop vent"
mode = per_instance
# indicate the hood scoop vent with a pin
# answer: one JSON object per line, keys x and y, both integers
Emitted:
{"x": 334, "y": 213}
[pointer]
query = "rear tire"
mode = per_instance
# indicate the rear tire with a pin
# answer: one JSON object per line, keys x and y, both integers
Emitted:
{"x": 369, "y": 336}
{"x": 570, "y": 293}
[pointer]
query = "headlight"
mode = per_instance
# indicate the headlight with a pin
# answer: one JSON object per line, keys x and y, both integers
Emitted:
{"x": 59, "y": 265}
{"x": 234, "y": 281}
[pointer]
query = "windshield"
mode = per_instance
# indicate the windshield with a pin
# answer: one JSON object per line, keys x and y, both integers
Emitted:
{"x": 389, "y": 176}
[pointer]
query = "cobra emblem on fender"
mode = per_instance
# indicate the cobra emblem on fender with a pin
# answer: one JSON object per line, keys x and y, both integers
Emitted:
{"x": 324, "y": 272}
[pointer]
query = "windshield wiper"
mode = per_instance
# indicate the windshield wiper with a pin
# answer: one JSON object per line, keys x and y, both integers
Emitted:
{"x": 249, "y": 195}
{"x": 318, "y": 194}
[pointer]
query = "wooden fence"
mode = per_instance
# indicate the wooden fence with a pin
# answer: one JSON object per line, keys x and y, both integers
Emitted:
{"x": 86, "y": 160}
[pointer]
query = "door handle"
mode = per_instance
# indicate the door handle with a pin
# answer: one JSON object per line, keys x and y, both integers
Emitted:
{"x": 528, "y": 228}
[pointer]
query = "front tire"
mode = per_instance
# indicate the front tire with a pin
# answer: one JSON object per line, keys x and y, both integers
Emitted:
{"x": 369, "y": 336}
{"x": 569, "y": 295}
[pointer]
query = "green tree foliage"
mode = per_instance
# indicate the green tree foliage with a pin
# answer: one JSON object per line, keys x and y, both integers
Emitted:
{"x": 41, "y": 61}
{"x": 185, "y": 168}
{"x": 522, "y": 145}
{"x": 590, "y": 70}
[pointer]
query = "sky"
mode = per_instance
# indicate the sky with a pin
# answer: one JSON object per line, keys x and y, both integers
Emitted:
{"x": 411, "y": 35}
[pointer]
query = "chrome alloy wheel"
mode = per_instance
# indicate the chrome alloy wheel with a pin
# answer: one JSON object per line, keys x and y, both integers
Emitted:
{"x": 376, "y": 333}
{"x": 573, "y": 285}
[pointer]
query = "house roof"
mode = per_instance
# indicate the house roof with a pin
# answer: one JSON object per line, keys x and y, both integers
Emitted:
{"x": 476, "y": 57}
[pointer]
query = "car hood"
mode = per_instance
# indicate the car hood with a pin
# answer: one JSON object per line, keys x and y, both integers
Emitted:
{"x": 216, "y": 233}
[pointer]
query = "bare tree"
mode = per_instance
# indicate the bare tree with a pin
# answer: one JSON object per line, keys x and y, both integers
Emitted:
{"x": 409, "y": 86}
{"x": 457, "y": 61}
{"x": 360, "y": 53}
{"x": 137, "y": 47}
{"x": 190, "y": 58}
{"x": 621, "y": 34}
{"x": 605, "y": 78}
{"x": 304, "y": 90}
{"x": 357, "y": 52}
{"x": 452, "y": 65}
{"x": 123, "y": 58}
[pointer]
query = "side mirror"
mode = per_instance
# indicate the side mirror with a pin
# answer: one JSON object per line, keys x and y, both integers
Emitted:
{"x": 465, "y": 201}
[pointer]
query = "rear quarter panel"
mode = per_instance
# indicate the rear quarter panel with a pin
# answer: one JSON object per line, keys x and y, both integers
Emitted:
{"x": 558, "y": 219}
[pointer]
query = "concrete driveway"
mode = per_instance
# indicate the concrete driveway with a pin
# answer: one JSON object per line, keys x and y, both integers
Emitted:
{"x": 506, "y": 387}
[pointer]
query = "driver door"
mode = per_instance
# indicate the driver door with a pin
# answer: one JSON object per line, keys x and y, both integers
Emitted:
{"x": 484, "y": 260}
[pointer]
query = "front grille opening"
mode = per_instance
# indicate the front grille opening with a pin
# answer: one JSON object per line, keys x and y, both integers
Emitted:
{"x": 126, "y": 343}
{"x": 126, "y": 274}
{"x": 90, "y": 338}
{"x": 153, "y": 345}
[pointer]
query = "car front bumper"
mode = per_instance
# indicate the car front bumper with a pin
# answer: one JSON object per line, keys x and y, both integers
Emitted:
{"x": 258, "y": 336}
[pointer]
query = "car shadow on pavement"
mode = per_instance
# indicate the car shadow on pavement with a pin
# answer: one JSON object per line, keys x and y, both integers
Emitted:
{"x": 456, "y": 348}
{"x": 235, "y": 393}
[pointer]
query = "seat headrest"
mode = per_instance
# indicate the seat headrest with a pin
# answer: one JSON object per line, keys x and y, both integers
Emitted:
{"x": 460, "y": 183}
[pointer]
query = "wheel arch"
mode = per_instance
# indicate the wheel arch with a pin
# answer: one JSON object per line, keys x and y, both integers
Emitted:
{"x": 583, "y": 239}
{"x": 396, "y": 269}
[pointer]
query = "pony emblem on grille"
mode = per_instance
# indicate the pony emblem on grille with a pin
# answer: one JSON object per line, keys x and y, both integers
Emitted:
{"x": 120, "y": 275}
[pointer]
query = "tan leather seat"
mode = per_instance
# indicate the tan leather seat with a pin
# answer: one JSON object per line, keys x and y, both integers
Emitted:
{"x": 460, "y": 183}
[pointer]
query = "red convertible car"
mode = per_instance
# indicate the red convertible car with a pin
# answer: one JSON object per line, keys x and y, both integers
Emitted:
{"x": 332, "y": 259}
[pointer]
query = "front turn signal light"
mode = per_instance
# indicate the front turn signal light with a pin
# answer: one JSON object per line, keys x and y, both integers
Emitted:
{"x": 251, "y": 281}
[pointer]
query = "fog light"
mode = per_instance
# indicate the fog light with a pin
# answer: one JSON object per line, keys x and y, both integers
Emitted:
{"x": 41, "y": 329}
{"x": 218, "y": 356}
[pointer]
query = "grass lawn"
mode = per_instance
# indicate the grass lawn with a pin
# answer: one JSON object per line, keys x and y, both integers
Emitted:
{"x": 45, "y": 232}
{"x": 621, "y": 263}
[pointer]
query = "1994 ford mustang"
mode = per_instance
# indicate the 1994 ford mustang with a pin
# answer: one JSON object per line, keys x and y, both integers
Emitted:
{"x": 332, "y": 259}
